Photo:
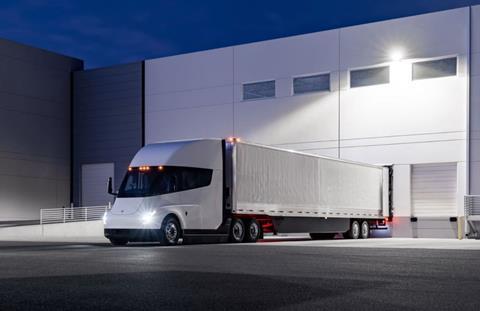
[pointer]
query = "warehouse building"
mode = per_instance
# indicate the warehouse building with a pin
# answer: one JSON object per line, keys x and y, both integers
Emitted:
{"x": 402, "y": 92}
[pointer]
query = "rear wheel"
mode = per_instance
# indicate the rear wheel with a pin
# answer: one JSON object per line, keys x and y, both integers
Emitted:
{"x": 365, "y": 230}
{"x": 170, "y": 231}
{"x": 354, "y": 231}
{"x": 322, "y": 236}
{"x": 237, "y": 231}
{"x": 253, "y": 231}
{"x": 118, "y": 242}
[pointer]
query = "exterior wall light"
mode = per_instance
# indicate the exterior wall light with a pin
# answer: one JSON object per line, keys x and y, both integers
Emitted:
{"x": 396, "y": 55}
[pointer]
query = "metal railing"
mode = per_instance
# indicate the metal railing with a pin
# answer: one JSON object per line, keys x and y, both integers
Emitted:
{"x": 472, "y": 214}
{"x": 472, "y": 205}
{"x": 72, "y": 214}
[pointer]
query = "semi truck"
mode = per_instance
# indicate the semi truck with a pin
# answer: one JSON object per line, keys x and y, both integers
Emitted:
{"x": 219, "y": 190}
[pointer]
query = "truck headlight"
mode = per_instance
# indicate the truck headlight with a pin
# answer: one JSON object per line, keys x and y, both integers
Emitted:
{"x": 147, "y": 217}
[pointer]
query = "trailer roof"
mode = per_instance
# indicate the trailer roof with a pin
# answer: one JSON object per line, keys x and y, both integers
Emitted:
{"x": 275, "y": 148}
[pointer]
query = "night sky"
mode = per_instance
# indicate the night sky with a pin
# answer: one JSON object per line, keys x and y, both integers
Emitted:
{"x": 105, "y": 32}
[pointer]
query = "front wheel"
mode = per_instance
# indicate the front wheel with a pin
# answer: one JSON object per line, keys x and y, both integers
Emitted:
{"x": 170, "y": 231}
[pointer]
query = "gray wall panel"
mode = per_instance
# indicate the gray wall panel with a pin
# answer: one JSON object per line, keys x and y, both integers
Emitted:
{"x": 474, "y": 159}
{"x": 107, "y": 119}
{"x": 35, "y": 128}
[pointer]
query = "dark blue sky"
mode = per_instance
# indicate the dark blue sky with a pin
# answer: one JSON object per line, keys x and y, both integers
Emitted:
{"x": 106, "y": 32}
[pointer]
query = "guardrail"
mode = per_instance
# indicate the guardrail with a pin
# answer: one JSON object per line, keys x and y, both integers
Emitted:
{"x": 472, "y": 214}
{"x": 72, "y": 214}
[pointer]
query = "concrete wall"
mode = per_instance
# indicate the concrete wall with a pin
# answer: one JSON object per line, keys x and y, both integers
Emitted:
{"x": 85, "y": 231}
{"x": 34, "y": 130}
{"x": 200, "y": 94}
{"x": 108, "y": 119}
{"x": 474, "y": 172}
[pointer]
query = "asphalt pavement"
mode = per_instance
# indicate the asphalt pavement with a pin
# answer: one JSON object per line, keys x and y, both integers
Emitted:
{"x": 283, "y": 275}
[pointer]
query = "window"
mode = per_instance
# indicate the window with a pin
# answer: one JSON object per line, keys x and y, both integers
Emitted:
{"x": 162, "y": 180}
{"x": 309, "y": 84}
{"x": 369, "y": 76}
{"x": 258, "y": 90}
{"x": 434, "y": 68}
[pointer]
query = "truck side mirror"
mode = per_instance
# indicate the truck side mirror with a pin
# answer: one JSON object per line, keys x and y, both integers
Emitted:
{"x": 110, "y": 187}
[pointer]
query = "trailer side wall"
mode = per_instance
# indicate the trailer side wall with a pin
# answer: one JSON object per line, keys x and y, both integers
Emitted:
{"x": 282, "y": 183}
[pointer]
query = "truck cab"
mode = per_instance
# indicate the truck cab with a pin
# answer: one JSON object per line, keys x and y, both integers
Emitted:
{"x": 170, "y": 189}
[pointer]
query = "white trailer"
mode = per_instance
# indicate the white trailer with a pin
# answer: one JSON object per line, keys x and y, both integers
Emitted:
{"x": 220, "y": 190}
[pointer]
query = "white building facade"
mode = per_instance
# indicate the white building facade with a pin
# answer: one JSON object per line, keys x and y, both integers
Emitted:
{"x": 397, "y": 92}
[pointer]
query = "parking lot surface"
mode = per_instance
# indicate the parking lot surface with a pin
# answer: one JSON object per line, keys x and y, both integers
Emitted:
{"x": 278, "y": 275}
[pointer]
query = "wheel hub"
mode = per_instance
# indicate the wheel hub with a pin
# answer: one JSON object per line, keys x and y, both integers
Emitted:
{"x": 237, "y": 231}
{"x": 171, "y": 232}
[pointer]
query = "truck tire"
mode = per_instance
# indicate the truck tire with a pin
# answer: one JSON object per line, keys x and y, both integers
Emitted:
{"x": 322, "y": 236}
{"x": 117, "y": 242}
{"x": 253, "y": 231}
{"x": 354, "y": 231}
{"x": 237, "y": 231}
{"x": 365, "y": 230}
{"x": 170, "y": 232}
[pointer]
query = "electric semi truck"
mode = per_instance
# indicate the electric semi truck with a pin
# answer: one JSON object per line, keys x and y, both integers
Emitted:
{"x": 227, "y": 190}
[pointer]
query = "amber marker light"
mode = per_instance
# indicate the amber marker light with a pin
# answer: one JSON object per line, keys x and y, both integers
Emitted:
{"x": 233, "y": 140}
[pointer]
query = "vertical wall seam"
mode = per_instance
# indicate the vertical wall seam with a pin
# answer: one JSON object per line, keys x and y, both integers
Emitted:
{"x": 72, "y": 149}
{"x": 339, "y": 91}
{"x": 233, "y": 91}
{"x": 469, "y": 96}
{"x": 143, "y": 103}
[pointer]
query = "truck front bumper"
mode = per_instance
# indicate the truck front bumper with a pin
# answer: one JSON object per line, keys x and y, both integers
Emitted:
{"x": 133, "y": 235}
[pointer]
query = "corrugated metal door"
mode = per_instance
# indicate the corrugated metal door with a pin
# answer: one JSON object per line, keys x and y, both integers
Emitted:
{"x": 434, "y": 190}
{"x": 94, "y": 184}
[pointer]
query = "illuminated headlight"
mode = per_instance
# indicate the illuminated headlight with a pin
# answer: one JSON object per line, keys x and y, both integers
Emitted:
{"x": 147, "y": 217}
{"x": 104, "y": 218}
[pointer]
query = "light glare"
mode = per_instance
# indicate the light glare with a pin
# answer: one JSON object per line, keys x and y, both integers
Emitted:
{"x": 147, "y": 218}
{"x": 396, "y": 55}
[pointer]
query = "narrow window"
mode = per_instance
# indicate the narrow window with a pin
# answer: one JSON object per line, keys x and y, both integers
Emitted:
{"x": 434, "y": 68}
{"x": 369, "y": 76}
{"x": 259, "y": 90}
{"x": 316, "y": 83}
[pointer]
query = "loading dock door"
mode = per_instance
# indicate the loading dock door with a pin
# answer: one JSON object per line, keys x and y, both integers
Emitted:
{"x": 94, "y": 184}
{"x": 434, "y": 190}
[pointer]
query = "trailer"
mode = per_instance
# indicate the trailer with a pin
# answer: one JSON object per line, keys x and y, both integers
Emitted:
{"x": 219, "y": 190}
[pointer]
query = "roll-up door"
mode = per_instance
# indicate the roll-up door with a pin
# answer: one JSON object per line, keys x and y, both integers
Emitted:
{"x": 434, "y": 190}
{"x": 94, "y": 184}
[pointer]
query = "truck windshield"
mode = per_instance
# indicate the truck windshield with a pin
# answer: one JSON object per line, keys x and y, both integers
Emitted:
{"x": 156, "y": 180}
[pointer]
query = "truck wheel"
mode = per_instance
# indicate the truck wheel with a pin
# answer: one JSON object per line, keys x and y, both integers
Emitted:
{"x": 253, "y": 231}
{"x": 365, "y": 230}
{"x": 118, "y": 242}
{"x": 237, "y": 231}
{"x": 170, "y": 231}
{"x": 322, "y": 236}
{"x": 354, "y": 231}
